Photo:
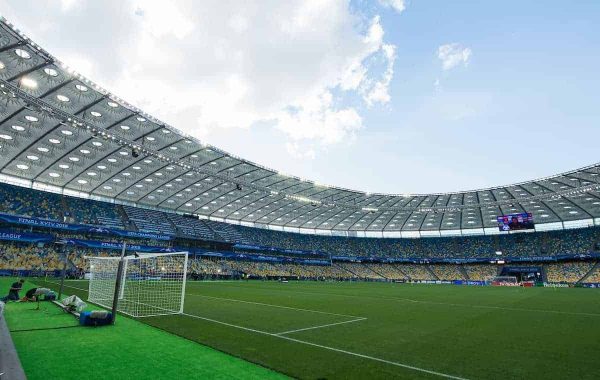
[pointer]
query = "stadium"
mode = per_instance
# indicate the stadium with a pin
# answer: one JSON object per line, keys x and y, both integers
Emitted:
{"x": 208, "y": 265}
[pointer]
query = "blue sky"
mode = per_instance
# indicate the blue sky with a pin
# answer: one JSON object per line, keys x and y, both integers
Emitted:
{"x": 383, "y": 96}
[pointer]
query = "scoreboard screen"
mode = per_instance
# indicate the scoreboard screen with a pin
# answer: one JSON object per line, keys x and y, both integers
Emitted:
{"x": 514, "y": 222}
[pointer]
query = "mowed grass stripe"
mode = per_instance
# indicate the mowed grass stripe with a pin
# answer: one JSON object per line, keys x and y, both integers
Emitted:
{"x": 438, "y": 286}
{"x": 406, "y": 366}
{"x": 281, "y": 334}
{"x": 437, "y": 334}
{"x": 127, "y": 350}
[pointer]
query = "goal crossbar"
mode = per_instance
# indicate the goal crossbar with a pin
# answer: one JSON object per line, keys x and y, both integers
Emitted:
{"x": 136, "y": 255}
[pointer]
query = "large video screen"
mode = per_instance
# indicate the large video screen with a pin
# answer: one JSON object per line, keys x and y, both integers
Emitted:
{"x": 514, "y": 222}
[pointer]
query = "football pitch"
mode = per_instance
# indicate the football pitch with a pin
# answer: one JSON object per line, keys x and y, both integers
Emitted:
{"x": 318, "y": 330}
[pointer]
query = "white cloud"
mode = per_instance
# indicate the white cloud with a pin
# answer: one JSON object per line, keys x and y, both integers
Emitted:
{"x": 255, "y": 67}
{"x": 67, "y": 5}
{"x": 80, "y": 64}
{"x": 160, "y": 20}
{"x": 378, "y": 92}
{"x": 298, "y": 151}
{"x": 397, "y": 5}
{"x": 228, "y": 65}
{"x": 453, "y": 55}
{"x": 318, "y": 119}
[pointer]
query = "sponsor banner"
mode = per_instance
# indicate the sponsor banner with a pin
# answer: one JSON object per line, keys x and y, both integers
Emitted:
{"x": 36, "y": 222}
{"x": 116, "y": 246}
{"x": 507, "y": 270}
{"x": 433, "y": 282}
{"x": 422, "y": 260}
{"x": 6, "y": 234}
{"x": 555, "y": 285}
{"x": 469, "y": 282}
{"x": 142, "y": 235}
{"x": 502, "y": 283}
{"x": 261, "y": 248}
{"x": 595, "y": 285}
{"x": 257, "y": 257}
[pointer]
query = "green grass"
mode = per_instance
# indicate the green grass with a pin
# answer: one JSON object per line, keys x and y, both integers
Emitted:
{"x": 468, "y": 332}
{"x": 128, "y": 350}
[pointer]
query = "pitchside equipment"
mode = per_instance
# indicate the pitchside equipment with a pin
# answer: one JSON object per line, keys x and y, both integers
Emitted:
{"x": 149, "y": 285}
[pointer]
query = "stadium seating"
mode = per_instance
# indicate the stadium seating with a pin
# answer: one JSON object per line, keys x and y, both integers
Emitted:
{"x": 361, "y": 271}
{"x": 480, "y": 272}
{"x": 594, "y": 276}
{"x": 227, "y": 232}
{"x": 567, "y": 272}
{"x": 447, "y": 272}
{"x": 93, "y": 212}
{"x": 417, "y": 272}
{"x": 387, "y": 271}
{"x": 514, "y": 245}
{"x": 149, "y": 220}
{"x": 28, "y": 202}
{"x": 40, "y": 258}
{"x": 16, "y": 256}
{"x": 204, "y": 266}
{"x": 192, "y": 227}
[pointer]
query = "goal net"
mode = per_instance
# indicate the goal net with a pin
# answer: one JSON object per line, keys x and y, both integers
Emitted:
{"x": 151, "y": 284}
{"x": 503, "y": 281}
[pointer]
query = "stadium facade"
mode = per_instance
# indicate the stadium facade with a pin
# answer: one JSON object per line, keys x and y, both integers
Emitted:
{"x": 61, "y": 132}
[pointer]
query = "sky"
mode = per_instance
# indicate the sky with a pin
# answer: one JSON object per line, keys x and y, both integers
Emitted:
{"x": 392, "y": 96}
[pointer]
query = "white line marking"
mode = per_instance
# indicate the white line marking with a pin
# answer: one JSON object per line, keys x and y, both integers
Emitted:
{"x": 271, "y": 305}
{"x": 279, "y": 335}
{"x": 392, "y": 299}
{"x": 66, "y": 286}
{"x": 321, "y": 326}
{"x": 400, "y": 299}
{"x": 397, "y": 364}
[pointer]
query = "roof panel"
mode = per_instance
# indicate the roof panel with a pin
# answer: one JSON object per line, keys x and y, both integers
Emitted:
{"x": 59, "y": 128}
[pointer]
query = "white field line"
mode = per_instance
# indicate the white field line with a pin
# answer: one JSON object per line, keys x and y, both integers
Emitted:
{"x": 280, "y": 336}
{"x": 397, "y": 364}
{"x": 400, "y": 299}
{"x": 321, "y": 326}
{"x": 397, "y": 299}
{"x": 277, "y": 306}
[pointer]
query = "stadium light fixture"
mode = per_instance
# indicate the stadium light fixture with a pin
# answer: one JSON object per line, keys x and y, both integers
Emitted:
{"x": 28, "y": 82}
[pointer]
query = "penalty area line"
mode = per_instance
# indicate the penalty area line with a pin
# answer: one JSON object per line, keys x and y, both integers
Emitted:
{"x": 356, "y": 354}
{"x": 272, "y": 305}
{"x": 321, "y": 326}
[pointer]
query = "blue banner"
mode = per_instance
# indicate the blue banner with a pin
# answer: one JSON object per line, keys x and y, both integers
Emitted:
{"x": 468, "y": 282}
{"x": 471, "y": 260}
{"x": 591, "y": 285}
{"x": 249, "y": 247}
{"x": 116, "y": 246}
{"x": 36, "y": 222}
{"x": 260, "y": 258}
{"x": 6, "y": 234}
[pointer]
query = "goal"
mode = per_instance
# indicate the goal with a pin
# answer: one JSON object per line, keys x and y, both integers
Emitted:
{"x": 150, "y": 284}
{"x": 503, "y": 281}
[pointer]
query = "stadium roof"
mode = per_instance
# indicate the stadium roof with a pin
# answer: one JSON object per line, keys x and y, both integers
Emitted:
{"x": 60, "y": 129}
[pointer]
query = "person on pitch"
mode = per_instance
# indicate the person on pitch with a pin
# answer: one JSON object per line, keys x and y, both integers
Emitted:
{"x": 13, "y": 293}
{"x": 33, "y": 294}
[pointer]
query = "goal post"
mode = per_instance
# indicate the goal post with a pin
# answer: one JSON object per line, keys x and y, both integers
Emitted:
{"x": 150, "y": 284}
